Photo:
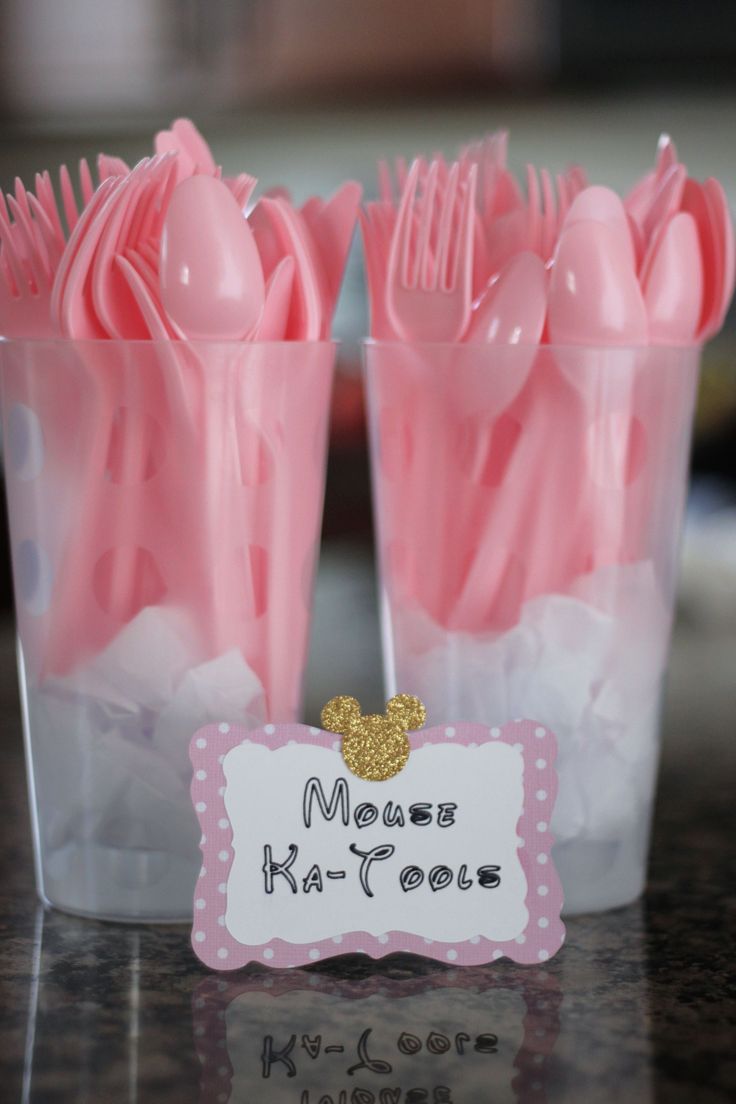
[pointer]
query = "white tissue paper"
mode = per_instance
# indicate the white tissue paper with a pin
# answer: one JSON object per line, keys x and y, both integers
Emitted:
{"x": 111, "y": 740}
{"x": 588, "y": 664}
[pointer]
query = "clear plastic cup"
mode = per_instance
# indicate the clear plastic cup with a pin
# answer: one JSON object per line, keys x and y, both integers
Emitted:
{"x": 528, "y": 506}
{"x": 164, "y": 502}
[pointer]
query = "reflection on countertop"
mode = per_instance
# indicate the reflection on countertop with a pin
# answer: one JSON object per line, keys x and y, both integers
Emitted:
{"x": 633, "y": 1008}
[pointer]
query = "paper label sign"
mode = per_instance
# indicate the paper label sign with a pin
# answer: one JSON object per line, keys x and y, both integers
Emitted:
{"x": 302, "y": 859}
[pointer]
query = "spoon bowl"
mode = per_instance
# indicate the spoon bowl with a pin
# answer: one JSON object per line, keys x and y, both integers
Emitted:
{"x": 211, "y": 283}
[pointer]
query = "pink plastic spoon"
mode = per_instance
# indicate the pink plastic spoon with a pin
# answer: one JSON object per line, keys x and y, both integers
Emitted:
{"x": 598, "y": 204}
{"x": 594, "y": 295}
{"x": 278, "y": 300}
{"x": 211, "y": 283}
{"x": 724, "y": 238}
{"x": 595, "y": 301}
{"x": 512, "y": 309}
{"x": 672, "y": 282}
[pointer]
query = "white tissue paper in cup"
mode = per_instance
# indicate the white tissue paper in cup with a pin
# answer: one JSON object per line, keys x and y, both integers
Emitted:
{"x": 222, "y": 689}
{"x": 588, "y": 663}
{"x": 113, "y": 736}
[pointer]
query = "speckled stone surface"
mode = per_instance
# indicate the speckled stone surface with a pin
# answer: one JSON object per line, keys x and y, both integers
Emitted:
{"x": 639, "y": 1006}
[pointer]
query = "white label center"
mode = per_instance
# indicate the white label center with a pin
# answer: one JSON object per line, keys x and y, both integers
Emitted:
{"x": 317, "y": 851}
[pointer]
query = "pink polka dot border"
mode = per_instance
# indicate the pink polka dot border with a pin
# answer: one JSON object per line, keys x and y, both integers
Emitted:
{"x": 542, "y": 937}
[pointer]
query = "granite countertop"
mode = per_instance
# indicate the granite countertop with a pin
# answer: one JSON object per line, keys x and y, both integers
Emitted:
{"x": 636, "y": 1007}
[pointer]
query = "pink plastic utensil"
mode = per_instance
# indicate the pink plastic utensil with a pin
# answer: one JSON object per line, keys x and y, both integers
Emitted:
{"x": 429, "y": 284}
{"x": 599, "y": 204}
{"x": 595, "y": 301}
{"x": 430, "y": 267}
{"x": 71, "y": 307}
{"x": 111, "y": 166}
{"x": 25, "y": 280}
{"x": 506, "y": 236}
{"x": 377, "y": 225}
{"x": 665, "y": 201}
{"x": 513, "y": 307}
{"x": 594, "y": 296}
{"x": 68, "y": 198}
{"x": 30, "y": 237}
{"x": 275, "y": 315}
{"x": 194, "y": 154}
{"x": 242, "y": 186}
{"x": 331, "y": 225}
{"x": 212, "y": 288}
{"x": 639, "y": 199}
{"x": 115, "y": 307}
{"x": 211, "y": 283}
{"x": 672, "y": 282}
{"x": 46, "y": 197}
{"x": 286, "y": 235}
{"x": 511, "y": 314}
{"x": 724, "y": 238}
{"x": 135, "y": 272}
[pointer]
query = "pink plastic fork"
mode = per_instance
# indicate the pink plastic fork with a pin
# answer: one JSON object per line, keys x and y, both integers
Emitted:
{"x": 25, "y": 279}
{"x": 429, "y": 289}
{"x": 106, "y": 167}
{"x": 429, "y": 285}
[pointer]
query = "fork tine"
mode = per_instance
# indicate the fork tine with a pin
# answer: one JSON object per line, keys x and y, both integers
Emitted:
{"x": 47, "y": 233}
{"x": 462, "y": 268}
{"x": 385, "y": 184}
{"x": 423, "y": 250}
{"x": 442, "y": 168}
{"x": 549, "y": 215}
{"x": 159, "y": 214}
{"x": 400, "y": 255}
{"x": 21, "y": 197}
{"x": 402, "y": 172}
{"x": 144, "y": 269}
{"x": 10, "y": 254}
{"x": 489, "y": 170}
{"x": 86, "y": 181}
{"x": 108, "y": 165}
{"x": 142, "y": 199}
{"x": 563, "y": 199}
{"x": 6, "y": 276}
{"x": 242, "y": 187}
{"x": 577, "y": 180}
{"x": 444, "y": 233}
{"x": 47, "y": 199}
{"x": 36, "y": 258}
{"x": 71, "y": 211}
{"x": 533, "y": 217}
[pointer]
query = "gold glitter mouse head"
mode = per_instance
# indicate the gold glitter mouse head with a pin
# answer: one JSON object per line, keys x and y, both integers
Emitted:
{"x": 374, "y": 747}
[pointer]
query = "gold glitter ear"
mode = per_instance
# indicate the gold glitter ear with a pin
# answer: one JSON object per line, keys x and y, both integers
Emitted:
{"x": 407, "y": 711}
{"x": 339, "y": 713}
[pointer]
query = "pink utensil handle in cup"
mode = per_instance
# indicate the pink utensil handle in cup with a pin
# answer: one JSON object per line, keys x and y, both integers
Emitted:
{"x": 305, "y": 371}
{"x": 255, "y": 509}
{"x": 129, "y": 438}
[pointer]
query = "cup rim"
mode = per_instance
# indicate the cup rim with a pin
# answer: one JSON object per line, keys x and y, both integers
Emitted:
{"x": 147, "y": 343}
{"x": 373, "y": 342}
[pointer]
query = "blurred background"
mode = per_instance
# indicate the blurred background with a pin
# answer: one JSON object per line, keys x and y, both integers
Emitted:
{"x": 310, "y": 92}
